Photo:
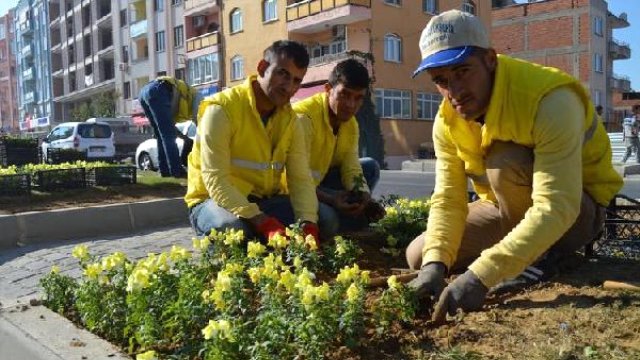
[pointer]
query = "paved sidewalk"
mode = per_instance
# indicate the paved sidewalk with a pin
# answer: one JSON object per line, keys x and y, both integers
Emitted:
{"x": 22, "y": 268}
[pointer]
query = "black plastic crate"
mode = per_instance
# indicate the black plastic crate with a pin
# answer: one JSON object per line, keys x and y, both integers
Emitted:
{"x": 111, "y": 175}
{"x": 59, "y": 156}
{"x": 47, "y": 180}
{"x": 621, "y": 234}
{"x": 18, "y": 184}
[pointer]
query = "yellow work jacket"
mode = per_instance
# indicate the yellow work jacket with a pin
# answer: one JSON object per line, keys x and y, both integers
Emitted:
{"x": 461, "y": 145}
{"x": 183, "y": 98}
{"x": 235, "y": 155}
{"x": 325, "y": 149}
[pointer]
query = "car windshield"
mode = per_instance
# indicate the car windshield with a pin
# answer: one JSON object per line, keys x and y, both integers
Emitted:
{"x": 99, "y": 131}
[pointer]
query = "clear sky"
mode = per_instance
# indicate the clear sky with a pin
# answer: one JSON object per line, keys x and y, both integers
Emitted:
{"x": 628, "y": 68}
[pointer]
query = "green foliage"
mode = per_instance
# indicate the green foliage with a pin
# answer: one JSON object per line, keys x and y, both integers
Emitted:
{"x": 398, "y": 303}
{"x": 405, "y": 219}
{"x": 58, "y": 291}
{"x": 102, "y": 105}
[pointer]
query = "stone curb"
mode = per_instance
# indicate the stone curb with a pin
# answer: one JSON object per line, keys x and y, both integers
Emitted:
{"x": 36, "y": 333}
{"x": 74, "y": 223}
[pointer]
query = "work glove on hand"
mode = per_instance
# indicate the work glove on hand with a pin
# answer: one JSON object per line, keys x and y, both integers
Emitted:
{"x": 309, "y": 228}
{"x": 430, "y": 281}
{"x": 374, "y": 211}
{"x": 270, "y": 226}
{"x": 466, "y": 292}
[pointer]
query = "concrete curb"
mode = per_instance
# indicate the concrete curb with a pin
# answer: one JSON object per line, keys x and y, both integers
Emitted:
{"x": 36, "y": 333}
{"x": 74, "y": 223}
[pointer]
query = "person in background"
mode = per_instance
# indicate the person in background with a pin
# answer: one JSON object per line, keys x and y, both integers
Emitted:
{"x": 247, "y": 136}
{"x": 528, "y": 138}
{"x": 332, "y": 137}
{"x": 630, "y": 127}
{"x": 167, "y": 101}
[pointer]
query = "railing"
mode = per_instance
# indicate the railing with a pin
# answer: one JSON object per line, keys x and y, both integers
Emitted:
{"x": 138, "y": 28}
{"x": 311, "y": 7}
{"x": 25, "y": 27}
{"x": 190, "y": 4}
{"x": 28, "y": 74}
{"x": 325, "y": 59}
{"x": 202, "y": 41}
{"x": 26, "y": 51}
{"x": 29, "y": 97}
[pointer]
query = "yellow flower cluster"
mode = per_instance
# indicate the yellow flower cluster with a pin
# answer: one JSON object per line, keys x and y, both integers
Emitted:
{"x": 233, "y": 237}
{"x": 278, "y": 241}
{"x": 201, "y": 244}
{"x": 351, "y": 274}
{"x": 393, "y": 283}
{"x": 145, "y": 270}
{"x": 255, "y": 250}
{"x": 313, "y": 294}
{"x": 80, "y": 252}
{"x": 114, "y": 260}
{"x": 93, "y": 271}
{"x": 220, "y": 329}
{"x": 178, "y": 253}
{"x": 149, "y": 355}
{"x": 353, "y": 292}
{"x": 222, "y": 284}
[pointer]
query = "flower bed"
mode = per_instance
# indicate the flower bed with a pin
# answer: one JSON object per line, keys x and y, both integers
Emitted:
{"x": 231, "y": 299}
{"x": 111, "y": 175}
{"x": 18, "y": 151}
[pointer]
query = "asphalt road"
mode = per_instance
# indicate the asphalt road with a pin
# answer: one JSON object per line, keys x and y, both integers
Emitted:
{"x": 420, "y": 184}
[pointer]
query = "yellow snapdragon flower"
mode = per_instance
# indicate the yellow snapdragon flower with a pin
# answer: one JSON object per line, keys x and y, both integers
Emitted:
{"x": 287, "y": 280}
{"x": 254, "y": 274}
{"x": 353, "y": 292}
{"x": 393, "y": 283}
{"x": 255, "y": 250}
{"x": 278, "y": 241}
{"x": 113, "y": 260}
{"x": 139, "y": 279}
{"x": 149, "y": 355}
{"x": 93, "y": 271}
{"x": 348, "y": 274}
{"x": 178, "y": 253}
{"x": 80, "y": 252}
{"x": 55, "y": 269}
{"x": 220, "y": 329}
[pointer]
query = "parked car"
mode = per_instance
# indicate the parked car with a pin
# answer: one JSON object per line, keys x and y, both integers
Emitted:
{"x": 147, "y": 151}
{"x": 93, "y": 137}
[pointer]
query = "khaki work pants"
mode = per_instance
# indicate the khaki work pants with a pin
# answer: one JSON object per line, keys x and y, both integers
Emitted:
{"x": 510, "y": 174}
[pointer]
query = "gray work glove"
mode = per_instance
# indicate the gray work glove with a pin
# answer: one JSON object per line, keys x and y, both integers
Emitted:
{"x": 430, "y": 281}
{"x": 466, "y": 292}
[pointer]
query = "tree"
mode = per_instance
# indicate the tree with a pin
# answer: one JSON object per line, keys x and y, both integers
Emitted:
{"x": 102, "y": 105}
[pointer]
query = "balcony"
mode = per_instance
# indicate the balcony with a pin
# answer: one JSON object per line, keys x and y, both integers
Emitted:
{"x": 27, "y": 51}
{"x": 619, "y": 50}
{"x": 311, "y": 16}
{"x": 27, "y": 75}
{"x": 620, "y": 83}
{"x": 29, "y": 97}
{"x": 25, "y": 27}
{"x": 617, "y": 21}
{"x": 320, "y": 66}
{"x": 202, "y": 41}
{"x": 200, "y": 7}
{"x": 137, "y": 29}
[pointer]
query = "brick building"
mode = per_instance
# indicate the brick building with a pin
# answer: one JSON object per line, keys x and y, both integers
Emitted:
{"x": 573, "y": 35}
{"x": 8, "y": 100}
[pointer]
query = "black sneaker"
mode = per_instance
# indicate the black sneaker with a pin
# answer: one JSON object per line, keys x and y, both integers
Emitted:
{"x": 532, "y": 275}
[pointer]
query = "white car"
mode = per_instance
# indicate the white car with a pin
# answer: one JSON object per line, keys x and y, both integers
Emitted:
{"x": 147, "y": 151}
{"x": 93, "y": 137}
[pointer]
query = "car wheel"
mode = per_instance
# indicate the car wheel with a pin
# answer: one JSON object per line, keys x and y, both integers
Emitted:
{"x": 145, "y": 163}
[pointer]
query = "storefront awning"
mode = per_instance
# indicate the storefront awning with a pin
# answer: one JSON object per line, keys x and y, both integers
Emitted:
{"x": 304, "y": 93}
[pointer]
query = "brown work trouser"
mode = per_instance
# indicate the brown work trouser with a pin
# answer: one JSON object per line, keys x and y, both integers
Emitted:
{"x": 510, "y": 174}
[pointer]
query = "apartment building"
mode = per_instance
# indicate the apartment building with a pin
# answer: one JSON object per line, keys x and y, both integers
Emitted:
{"x": 204, "y": 45}
{"x": 573, "y": 35}
{"x": 81, "y": 53}
{"x": 149, "y": 41}
{"x": 33, "y": 66}
{"x": 383, "y": 33}
{"x": 8, "y": 82}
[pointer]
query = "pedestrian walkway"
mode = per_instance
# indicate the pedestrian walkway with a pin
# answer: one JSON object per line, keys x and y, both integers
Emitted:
{"x": 22, "y": 268}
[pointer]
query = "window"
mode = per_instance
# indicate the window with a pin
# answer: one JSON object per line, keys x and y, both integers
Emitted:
{"x": 176, "y": 2}
{"x": 160, "y": 41}
{"x": 597, "y": 62}
{"x": 393, "y": 103}
{"x": 126, "y": 90}
{"x": 179, "y": 74}
{"x": 236, "y": 20}
{"x": 597, "y": 25}
{"x": 158, "y": 5}
{"x": 469, "y": 7}
{"x": 269, "y": 10}
{"x": 123, "y": 17}
{"x": 430, "y": 6}
{"x": 2, "y": 34}
{"x": 392, "y": 48}
{"x": 178, "y": 36}
{"x": 597, "y": 97}
{"x": 203, "y": 69}
{"x": 237, "y": 68}
{"x": 428, "y": 105}
{"x": 125, "y": 53}
{"x": 161, "y": 73}
{"x": 393, "y": 2}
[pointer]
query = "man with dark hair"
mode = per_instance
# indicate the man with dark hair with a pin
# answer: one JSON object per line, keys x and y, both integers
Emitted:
{"x": 528, "y": 138}
{"x": 331, "y": 136}
{"x": 247, "y": 136}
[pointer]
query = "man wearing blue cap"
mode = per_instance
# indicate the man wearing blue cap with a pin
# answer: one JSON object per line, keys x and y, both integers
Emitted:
{"x": 529, "y": 139}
